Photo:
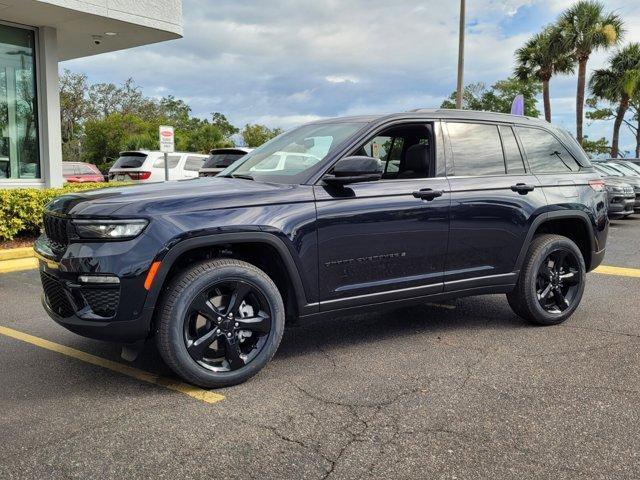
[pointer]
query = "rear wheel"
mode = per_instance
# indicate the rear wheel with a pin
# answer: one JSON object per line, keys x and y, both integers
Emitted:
{"x": 221, "y": 321}
{"x": 551, "y": 281}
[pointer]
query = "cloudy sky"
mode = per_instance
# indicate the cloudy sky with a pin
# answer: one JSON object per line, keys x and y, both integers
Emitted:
{"x": 285, "y": 62}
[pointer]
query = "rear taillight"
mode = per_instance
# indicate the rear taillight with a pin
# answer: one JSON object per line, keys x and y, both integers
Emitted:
{"x": 597, "y": 185}
{"x": 139, "y": 175}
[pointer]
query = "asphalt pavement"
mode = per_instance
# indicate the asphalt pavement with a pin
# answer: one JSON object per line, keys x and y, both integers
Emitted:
{"x": 463, "y": 389}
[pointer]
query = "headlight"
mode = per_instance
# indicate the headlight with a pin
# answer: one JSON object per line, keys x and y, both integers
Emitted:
{"x": 614, "y": 189}
{"x": 106, "y": 229}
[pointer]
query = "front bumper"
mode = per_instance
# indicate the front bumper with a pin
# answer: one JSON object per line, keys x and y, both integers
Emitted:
{"x": 621, "y": 206}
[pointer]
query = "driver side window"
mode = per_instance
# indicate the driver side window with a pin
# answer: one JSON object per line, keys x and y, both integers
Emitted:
{"x": 406, "y": 151}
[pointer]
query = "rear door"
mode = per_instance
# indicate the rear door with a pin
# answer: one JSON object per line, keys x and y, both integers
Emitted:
{"x": 384, "y": 240}
{"x": 493, "y": 201}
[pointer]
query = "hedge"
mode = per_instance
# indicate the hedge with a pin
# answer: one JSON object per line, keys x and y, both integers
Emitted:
{"x": 21, "y": 209}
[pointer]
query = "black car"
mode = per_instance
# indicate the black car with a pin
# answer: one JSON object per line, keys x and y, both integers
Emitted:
{"x": 334, "y": 217}
{"x": 221, "y": 158}
{"x": 617, "y": 170}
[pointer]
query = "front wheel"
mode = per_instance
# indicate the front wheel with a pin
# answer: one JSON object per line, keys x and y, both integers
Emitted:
{"x": 220, "y": 322}
{"x": 551, "y": 281}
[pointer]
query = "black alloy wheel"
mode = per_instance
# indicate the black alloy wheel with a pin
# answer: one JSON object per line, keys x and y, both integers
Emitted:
{"x": 227, "y": 325}
{"x": 558, "y": 281}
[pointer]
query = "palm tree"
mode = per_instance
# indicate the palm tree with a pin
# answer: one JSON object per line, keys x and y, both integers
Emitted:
{"x": 618, "y": 84}
{"x": 586, "y": 28}
{"x": 543, "y": 56}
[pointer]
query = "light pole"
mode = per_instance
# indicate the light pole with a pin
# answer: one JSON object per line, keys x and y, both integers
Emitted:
{"x": 460, "y": 87}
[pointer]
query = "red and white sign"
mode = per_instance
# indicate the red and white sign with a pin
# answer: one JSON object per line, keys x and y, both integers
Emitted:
{"x": 166, "y": 139}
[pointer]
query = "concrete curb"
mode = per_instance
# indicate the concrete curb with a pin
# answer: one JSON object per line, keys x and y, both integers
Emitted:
{"x": 16, "y": 253}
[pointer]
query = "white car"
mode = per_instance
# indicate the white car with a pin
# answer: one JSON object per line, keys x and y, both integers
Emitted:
{"x": 148, "y": 166}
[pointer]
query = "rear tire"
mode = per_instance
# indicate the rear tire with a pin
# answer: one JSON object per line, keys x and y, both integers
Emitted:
{"x": 220, "y": 322}
{"x": 551, "y": 281}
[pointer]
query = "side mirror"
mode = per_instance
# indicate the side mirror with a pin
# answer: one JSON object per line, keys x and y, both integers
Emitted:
{"x": 355, "y": 169}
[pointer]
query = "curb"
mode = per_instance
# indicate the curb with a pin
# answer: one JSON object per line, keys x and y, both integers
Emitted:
{"x": 16, "y": 253}
{"x": 18, "y": 264}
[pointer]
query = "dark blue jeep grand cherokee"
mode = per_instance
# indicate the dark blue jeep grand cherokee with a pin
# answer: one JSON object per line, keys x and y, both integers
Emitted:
{"x": 335, "y": 216}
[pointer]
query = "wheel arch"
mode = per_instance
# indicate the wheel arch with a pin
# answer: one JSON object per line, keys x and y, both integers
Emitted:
{"x": 575, "y": 225}
{"x": 179, "y": 250}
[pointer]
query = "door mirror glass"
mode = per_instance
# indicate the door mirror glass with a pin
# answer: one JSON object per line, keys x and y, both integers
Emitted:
{"x": 355, "y": 169}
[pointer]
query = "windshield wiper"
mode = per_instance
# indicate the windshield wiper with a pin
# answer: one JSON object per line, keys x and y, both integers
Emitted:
{"x": 242, "y": 175}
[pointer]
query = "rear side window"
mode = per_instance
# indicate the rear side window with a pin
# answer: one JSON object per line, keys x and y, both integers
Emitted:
{"x": 476, "y": 149}
{"x": 173, "y": 161}
{"x": 130, "y": 161}
{"x": 512, "y": 154}
{"x": 86, "y": 170}
{"x": 69, "y": 169}
{"x": 545, "y": 153}
{"x": 193, "y": 163}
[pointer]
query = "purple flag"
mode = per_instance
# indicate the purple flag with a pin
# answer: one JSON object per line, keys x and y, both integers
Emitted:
{"x": 517, "y": 107}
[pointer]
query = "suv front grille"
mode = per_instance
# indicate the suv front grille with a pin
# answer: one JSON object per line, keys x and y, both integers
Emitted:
{"x": 103, "y": 301}
{"x": 56, "y": 296}
{"x": 56, "y": 231}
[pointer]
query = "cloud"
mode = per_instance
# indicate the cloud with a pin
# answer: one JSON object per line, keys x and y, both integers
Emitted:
{"x": 286, "y": 61}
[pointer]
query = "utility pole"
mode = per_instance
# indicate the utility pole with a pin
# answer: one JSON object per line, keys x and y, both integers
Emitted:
{"x": 460, "y": 87}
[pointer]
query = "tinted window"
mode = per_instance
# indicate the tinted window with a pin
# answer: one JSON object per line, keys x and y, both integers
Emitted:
{"x": 476, "y": 149}
{"x": 545, "y": 153}
{"x": 173, "y": 161}
{"x": 193, "y": 163}
{"x": 512, "y": 153}
{"x": 130, "y": 161}
{"x": 222, "y": 160}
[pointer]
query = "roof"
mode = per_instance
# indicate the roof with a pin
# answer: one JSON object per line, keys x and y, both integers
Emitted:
{"x": 441, "y": 113}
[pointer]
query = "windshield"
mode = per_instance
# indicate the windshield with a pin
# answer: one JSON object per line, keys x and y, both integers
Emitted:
{"x": 222, "y": 160}
{"x": 607, "y": 170}
{"x": 130, "y": 160}
{"x": 625, "y": 169}
{"x": 633, "y": 166}
{"x": 289, "y": 157}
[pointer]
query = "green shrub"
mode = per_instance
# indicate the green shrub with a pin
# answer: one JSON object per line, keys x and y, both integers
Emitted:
{"x": 21, "y": 209}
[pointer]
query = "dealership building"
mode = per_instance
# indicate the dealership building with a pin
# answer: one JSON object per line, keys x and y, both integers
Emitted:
{"x": 37, "y": 34}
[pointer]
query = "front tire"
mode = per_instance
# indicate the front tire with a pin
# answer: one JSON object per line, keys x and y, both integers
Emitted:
{"x": 551, "y": 281}
{"x": 220, "y": 322}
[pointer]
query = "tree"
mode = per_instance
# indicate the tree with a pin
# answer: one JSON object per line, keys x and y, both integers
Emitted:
{"x": 256, "y": 135}
{"x": 618, "y": 84}
{"x": 585, "y": 29}
{"x": 543, "y": 56}
{"x": 73, "y": 112}
{"x": 606, "y": 112}
{"x": 498, "y": 97}
{"x": 220, "y": 121}
{"x": 596, "y": 147}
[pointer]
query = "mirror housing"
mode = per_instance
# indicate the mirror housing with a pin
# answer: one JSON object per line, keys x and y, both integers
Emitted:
{"x": 355, "y": 169}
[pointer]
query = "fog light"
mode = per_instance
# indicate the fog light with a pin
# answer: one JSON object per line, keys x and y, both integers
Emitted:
{"x": 101, "y": 279}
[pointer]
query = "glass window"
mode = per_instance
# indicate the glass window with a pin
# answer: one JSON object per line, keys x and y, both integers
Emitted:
{"x": 86, "y": 169}
{"x": 222, "y": 160}
{"x": 545, "y": 153}
{"x": 387, "y": 149}
{"x": 513, "y": 157}
{"x": 476, "y": 149}
{"x": 19, "y": 144}
{"x": 68, "y": 169}
{"x": 173, "y": 161}
{"x": 193, "y": 163}
{"x": 632, "y": 166}
{"x": 626, "y": 170}
{"x": 306, "y": 146}
{"x": 130, "y": 160}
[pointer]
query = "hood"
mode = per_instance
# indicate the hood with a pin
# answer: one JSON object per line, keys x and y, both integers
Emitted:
{"x": 205, "y": 193}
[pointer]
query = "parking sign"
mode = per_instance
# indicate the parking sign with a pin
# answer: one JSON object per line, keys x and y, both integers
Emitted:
{"x": 166, "y": 139}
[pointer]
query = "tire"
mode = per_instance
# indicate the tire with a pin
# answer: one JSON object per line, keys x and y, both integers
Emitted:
{"x": 543, "y": 294}
{"x": 180, "y": 314}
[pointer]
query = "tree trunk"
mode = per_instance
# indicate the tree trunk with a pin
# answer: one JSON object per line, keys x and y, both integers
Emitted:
{"x": 582, "y": 75}
{"x": 547, "y": 100}
{"x": 622, "y": 110}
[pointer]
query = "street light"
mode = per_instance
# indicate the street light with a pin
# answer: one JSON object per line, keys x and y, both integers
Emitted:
{"x": 460, "y": 86}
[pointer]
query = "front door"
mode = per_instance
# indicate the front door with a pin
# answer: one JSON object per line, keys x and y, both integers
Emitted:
{"x": 384, "y": 240}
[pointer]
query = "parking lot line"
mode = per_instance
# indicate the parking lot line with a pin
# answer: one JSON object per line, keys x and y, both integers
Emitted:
{"x": 195, "y": 392}
{"x": 620, "y": 271}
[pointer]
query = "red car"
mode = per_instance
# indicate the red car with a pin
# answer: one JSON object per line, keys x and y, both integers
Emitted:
{"x": 80, "y": 172}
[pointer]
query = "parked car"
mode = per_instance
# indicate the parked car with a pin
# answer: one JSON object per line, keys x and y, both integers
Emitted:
{"x": 613, "y": 170}
{"x": 221, "y": 158}
{"x": 621, "y": 197}
{"x": 393, "y": 210}
{"x": 148, "y": 166}
{"x": 81, "y": 172}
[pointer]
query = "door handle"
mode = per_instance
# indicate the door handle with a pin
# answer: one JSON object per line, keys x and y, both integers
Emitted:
{"x": 428, "y": 194}
{"x": 522, "y": 188}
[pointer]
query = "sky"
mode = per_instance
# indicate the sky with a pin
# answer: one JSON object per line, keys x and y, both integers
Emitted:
{"x": 287, "y": 62}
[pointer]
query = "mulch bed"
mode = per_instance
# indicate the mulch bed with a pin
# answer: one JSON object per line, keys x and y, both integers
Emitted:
{"x": 18, "y": 243}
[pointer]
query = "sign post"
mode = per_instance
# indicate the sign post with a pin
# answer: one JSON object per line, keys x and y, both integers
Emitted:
{"x": 166, "y": 146}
